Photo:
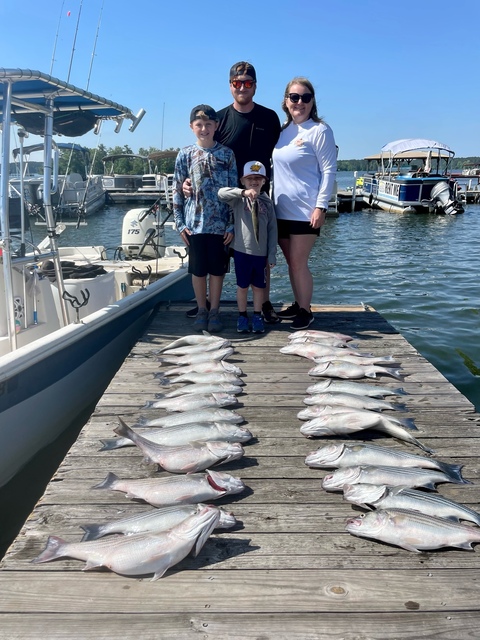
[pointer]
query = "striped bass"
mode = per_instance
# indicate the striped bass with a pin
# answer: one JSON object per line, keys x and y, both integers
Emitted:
{"x": 198, "y": 388}
{"x": 140, "y": 554}
{"x": 199, "y": 348}
{"x": 153, "y": 521}
{"x": 312, "y": 333}
{"x": 312, "y": 350}
{"x": 204, "y": 378}
{"x": 184, "y": 489}
{"x": 188, "y": 458}
{"x": 385, "y": 497}
{"x": 358, "y": 359}
{"x": 412, "y": 530}
{"x": 348, "y": 370}
{"x": 190, "y": 402}
{"x": 350, "y": 455}
{"x": 394, "y": 476}
{"x": 208, "y": 414}
{"x": 208, "y": 366}
{"x": 194, "y": 339}
{"x": 184, "y": 434}
{"x": 357, "y": 388}
{"x": 195, "y": 358}
{"x": 352, "y": 400}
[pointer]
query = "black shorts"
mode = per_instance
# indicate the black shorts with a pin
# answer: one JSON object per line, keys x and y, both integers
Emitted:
{"x": 207, "y": 255}
{"x": 287, "y": 228}
{"x": 250, "y": 270}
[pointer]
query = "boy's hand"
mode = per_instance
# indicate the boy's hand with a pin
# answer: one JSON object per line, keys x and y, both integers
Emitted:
{"x": 184, "y": 236}
{"x": 251, "y": 194}
{"x": 227, "y": 237}
{"x": 187, "y": 188}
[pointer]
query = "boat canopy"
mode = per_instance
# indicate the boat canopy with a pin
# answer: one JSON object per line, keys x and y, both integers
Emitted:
{"x": 121, "y": 156}
{"x": 30, "y": 95}
{"x": 71, "y": 146}
{"x": 413, "y": 148}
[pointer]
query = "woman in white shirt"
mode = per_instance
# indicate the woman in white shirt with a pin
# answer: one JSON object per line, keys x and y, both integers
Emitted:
{"x": 304, "y": 168}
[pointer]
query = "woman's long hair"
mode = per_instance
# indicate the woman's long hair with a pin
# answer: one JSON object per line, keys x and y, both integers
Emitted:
{"x": 308, "y": 85}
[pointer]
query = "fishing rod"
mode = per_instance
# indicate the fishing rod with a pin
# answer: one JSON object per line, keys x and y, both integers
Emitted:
{"x": 74, "y": 40}
{"x": 56, "y": 38}
{"x": 95, "y": 44}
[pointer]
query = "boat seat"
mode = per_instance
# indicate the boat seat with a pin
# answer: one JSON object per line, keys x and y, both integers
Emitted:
{"x": 73, "y": 178}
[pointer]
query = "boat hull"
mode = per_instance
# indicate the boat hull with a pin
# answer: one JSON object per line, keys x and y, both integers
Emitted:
{"x": 45, "y": 386}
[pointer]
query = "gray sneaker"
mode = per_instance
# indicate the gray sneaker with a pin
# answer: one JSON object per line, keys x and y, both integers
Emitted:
{"x": 214, "y": 323}
{"x": 201, "y": 321}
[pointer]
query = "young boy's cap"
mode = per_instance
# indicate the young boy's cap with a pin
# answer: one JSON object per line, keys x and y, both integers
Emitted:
{"x": 243, "y": 69}
{"x": 203, "y": 111}
{"x": 254, "y": 169}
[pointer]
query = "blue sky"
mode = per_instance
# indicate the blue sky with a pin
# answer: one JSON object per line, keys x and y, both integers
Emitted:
{"x": 382, "y": 71}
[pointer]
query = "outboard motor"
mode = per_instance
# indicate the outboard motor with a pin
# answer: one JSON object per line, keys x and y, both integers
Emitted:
{"x": 442, "y": 197}
{"x": 143, "y": 236}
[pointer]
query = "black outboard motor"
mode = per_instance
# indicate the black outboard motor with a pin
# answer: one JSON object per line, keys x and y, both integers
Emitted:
{"x": 443, "y": 197}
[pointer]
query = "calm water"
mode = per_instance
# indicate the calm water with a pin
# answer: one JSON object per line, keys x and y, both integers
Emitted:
{"x": 420, "y": 272}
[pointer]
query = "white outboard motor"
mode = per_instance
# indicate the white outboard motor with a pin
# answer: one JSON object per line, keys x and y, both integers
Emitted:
{"x": 143, "y": 236}
{"x": 442, "y": 197}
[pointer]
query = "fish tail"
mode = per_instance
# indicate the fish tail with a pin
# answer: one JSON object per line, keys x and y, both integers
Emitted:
{"x": 123, "y": 429}
{"x": 149, "y": 404}
{"x": 53, "y": 550}
{"x": 92, "y": 531}
{"x": 109, "y": 444}
{"x": 453, "y": 471}
{"x": 399, "y": 392}
{"x": 395, "y": 373}
{"x": 108, "y": 483}
{"x": 408, "y": 423}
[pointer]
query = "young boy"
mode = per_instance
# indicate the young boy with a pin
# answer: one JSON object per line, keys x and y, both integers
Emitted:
{"x": 254, "y": 243}
{"x": 204, "y": 223}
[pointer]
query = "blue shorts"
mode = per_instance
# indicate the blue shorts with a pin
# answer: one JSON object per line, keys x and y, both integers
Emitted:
{"x": 207, "y": 255}
{"x": 250, "y": 270}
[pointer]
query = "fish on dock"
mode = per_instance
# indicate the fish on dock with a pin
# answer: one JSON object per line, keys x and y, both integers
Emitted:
{"x": 199, "y": 348}
{"x": 199, "y": 388}
{"x": 352, "y": 400}
{"x": 312, "y": 333}
{"x": 394, "y": 476}
{"x": 184, "y": 434}
{"x": 194, "y": 339}
{"x": 215, "y": 377}
{"x": 140, "y": 554}
{"x": 206, "y": 366}
{"x": 360, "y": 359}
{"x": 153, "y": 521}
{"x": 372, "y": 496}
{"x": 188, "y": 458}
{"x": 207, "y": 414}
{"x": 177, "y": 489}
{"x": 190, "y": 402}
{"x": 349, "y": 370}
{"x": 313, "y": 350}
{"x": 349, "y": 455}
{"x": 412, "y": 530}
{"x": 196, "y": 358}
{"x": 357, "y": 388}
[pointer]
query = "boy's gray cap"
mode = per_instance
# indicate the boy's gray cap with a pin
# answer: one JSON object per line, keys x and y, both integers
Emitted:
{"x": 202, "y": 110}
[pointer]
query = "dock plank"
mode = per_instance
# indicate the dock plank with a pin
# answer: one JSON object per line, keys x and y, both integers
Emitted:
{"x": 288, "y": 569}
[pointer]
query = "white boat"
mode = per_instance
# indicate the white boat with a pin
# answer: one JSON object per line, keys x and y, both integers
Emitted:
{"x": 72, "y": 196}
{"x": 412, "y": 176}
{"x": 63, "y": 338}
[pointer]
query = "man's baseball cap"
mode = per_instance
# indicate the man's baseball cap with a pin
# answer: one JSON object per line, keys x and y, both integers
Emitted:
{"x": 243, "y": 69}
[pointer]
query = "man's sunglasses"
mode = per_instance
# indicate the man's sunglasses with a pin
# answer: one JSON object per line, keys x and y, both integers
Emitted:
{"x": 248, "y": 84}
{"x": 296, "y": 97}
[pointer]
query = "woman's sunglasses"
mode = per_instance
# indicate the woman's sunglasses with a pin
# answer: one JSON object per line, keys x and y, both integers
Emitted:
{"x": 248, "y": 84}
{"x": 296, "y": 97}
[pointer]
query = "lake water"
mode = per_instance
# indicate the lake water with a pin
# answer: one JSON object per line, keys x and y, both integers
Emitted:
{"x": 419, "y": 271}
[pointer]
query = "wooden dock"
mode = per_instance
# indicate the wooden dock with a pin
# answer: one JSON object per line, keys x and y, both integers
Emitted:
{"x": 290, "y": 571}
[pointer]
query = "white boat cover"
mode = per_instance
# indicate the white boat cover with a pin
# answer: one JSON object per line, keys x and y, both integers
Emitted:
{"x": 411, "y": 144}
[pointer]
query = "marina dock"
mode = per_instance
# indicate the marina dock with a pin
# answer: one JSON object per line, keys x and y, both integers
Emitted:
{"x": 289, "y": 570}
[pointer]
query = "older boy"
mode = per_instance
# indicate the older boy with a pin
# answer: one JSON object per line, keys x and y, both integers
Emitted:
{"x": 205, "y": 223}
{"x": 254, "y": 243}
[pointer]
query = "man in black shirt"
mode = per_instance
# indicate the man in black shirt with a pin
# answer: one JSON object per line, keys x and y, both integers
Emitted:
{"x": 251, "y": 131}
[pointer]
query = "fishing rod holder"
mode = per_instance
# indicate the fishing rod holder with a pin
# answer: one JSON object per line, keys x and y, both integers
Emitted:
{"x": 180, "y": 255}
{"x": 142, "y": 276}
{"x": 75, "y": 302}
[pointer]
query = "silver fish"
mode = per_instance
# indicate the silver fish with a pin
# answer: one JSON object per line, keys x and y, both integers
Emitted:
{"x": 153, "y": 521}
{"x": 341, "y": 424}
{"x": 412, "y": 530}
{"x": 199, "y": 348}
{"x": 197, "y": 388}
{"x": 358, "y": 359}
{"x": 208, "y": 414}
{"x": 208, "y": 366}
{"x": 385, "y": 497}
{"x": 348, "y": 370}
{"x": 309, "y": 350}
{"x": 395, "y": 476}
{"x": 195, "y": 358}
{"x": 357, "y": 388}
{"x": 324, "y": 340}
{"x": 317, "y": 333}
{"x": 320, "y": 410}
{"x": 189, "y": 458}
{"x": 350, "y": 455}
{"x": 351, "y": 400}
{"x": 183, "y": 489}
{"x": 184, "y": 434}
{"x": 191, "y": 402}
{"x": 194, "y": 339}
{"x": 204, "y": 378}
{"x": 140, "y": 554}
